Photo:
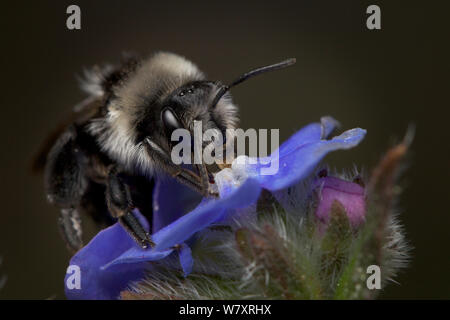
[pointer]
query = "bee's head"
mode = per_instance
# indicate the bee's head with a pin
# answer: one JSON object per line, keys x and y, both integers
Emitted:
{"x": 193, "y": 103}
{"x": 206, "y": 102}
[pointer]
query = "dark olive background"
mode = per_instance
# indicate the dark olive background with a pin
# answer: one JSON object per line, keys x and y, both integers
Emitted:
{"x": 378, "y": 80}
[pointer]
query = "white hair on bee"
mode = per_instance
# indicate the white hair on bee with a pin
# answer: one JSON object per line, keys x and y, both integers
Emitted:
{"x": 93, "y": 79}
{"x": 117, "y": 139}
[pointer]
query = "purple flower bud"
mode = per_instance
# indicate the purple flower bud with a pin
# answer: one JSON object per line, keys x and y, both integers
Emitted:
{"x": 349, "y": 194}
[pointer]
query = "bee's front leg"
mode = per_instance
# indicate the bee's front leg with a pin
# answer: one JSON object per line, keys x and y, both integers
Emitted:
{"x": 120, "y": 206}
{"x": 198, "y": 183}
{"x": 204, "y": 179}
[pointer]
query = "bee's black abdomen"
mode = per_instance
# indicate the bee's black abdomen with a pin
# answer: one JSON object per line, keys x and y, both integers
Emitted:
{"x": 64, "y": 179}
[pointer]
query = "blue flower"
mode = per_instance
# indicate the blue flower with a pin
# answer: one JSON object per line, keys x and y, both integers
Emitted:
{"x": 111, "y": 260}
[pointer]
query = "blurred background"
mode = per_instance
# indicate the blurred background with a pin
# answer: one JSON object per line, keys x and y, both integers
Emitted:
{"x": 378, "y": 80}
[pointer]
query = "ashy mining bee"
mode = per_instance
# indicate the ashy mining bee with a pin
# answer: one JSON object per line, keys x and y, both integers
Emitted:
{"x": 103, "y": 161}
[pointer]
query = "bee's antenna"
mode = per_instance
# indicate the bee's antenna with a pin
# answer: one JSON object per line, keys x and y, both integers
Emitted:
{"x": 250, "y": 74}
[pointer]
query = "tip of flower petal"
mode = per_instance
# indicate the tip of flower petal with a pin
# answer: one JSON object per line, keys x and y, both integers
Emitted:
{"x": 351, "y": 138}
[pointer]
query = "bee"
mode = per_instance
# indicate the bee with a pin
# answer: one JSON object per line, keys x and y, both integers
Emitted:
{"x": 105, "y": 158}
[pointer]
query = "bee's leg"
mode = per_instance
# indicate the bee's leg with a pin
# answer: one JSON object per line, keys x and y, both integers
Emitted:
{"x": 120, "y": 205}
{"x": 186, "y": 177}
{"x": 136, "y": 230}
{"x": 204, "y": 178}
{"x": 69, "y": 224}
{"x": 183, "y": 175}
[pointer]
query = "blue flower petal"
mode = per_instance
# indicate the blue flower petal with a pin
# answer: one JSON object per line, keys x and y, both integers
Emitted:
{"x": 171, "y": 200}
{"x": 310, "y": 133}
{"x": 298, "y": 156}
{"x": 207, "y": 213}
{"x": 299, "y": 162}
{"x": 87, "y": 280}
{"x": 186, "y": 260}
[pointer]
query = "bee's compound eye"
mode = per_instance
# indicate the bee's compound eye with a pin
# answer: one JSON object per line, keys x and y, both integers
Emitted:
{"x": 170, "y": 121}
